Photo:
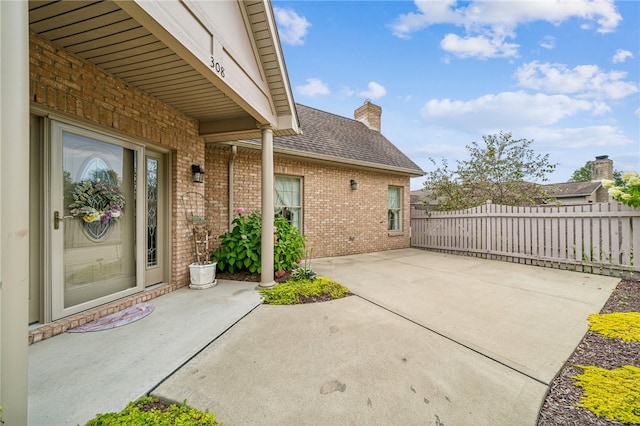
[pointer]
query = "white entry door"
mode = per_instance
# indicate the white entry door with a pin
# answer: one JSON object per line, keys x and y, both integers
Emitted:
{"x": 94, "y": 222}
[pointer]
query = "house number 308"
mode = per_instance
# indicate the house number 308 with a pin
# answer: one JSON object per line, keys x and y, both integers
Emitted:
{"x": 215, "y": 65}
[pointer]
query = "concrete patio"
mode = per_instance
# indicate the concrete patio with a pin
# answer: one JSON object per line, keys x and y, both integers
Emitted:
{"x": 429, "y": 339}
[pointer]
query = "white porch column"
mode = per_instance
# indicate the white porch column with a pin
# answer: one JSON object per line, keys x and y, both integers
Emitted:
{"x": 14, "y": 210}
{"x": 266, "y": 277}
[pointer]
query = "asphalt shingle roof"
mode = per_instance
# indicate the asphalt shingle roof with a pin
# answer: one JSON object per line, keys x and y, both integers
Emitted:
{"x": 327, "y": 135}
{"x": 572, "y": 189}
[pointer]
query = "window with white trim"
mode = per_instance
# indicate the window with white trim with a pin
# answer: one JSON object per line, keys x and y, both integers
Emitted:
{"x": 394, "y": 204}
{"x": 287, "y": 199}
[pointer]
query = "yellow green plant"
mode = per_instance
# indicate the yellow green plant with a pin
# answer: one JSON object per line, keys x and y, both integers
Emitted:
{"x": 613, "y": 394}
{"x": 143, "y": 413}
{"x": 618, "y": 325}
{"x": 295, "y": 291}
{"x": 629, "y": 192}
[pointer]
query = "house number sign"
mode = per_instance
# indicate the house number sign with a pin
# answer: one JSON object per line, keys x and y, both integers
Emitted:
{"x": 215, "y": 66}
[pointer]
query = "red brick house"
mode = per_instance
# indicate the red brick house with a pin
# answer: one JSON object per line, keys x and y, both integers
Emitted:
{"x": 132, "y": 96}
{"x": 119, "y": 98}
{"x": 345, "y": 184}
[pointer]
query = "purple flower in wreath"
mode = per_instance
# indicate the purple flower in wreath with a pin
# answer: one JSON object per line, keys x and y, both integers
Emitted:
{"x": 106, "y": 216}
{"x": 115, "y": 212}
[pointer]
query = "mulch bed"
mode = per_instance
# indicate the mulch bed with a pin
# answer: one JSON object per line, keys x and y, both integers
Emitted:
{"x": 246, "y": 276}
{"x": 559, "y": 408}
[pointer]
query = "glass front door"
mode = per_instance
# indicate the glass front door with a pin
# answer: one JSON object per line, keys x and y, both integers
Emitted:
{"x": 93, "y": 196}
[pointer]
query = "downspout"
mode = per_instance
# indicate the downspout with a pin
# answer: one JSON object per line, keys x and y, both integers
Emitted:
{"x": 234, "y": 151}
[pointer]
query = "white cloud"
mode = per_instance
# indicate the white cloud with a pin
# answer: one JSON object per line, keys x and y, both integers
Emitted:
{"x": 505, "y": 14}
{"x": 579, "y": 137}
{"x": 587, "y": 81}
{"x": 480, "y": 47}
{"x": 512, "y": 13}
{"x": 292, "y": 27}
{"x": 347, "y": 92}
{"x": 505, "y": 111}
{"x": 487, "y": 23}
{"x": 637, "y": 112}
{"x": 314, "y": 87}
{"x": 429, "y": 12}
{"x": 374, "y": 91}
{"x": 621, "y": 56}
{"x": 548, "y": 42}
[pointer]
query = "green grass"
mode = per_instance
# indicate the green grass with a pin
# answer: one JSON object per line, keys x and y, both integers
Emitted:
{"x": 293, "y": 292}
{"x": 149, "y": 411}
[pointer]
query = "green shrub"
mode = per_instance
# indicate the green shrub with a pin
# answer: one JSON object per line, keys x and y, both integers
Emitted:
{"x": 148, "y": 411}
{"x": 301, "y": 273}
{"x": 304, "y": 272}
{"x": 240, "y": 248}
{"x": 293, "y": 292}
{"x": 289, "y": 245}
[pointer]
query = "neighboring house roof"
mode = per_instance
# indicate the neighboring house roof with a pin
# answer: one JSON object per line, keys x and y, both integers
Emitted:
{"x": 331, "y": 137}
{"x": 418, "y": 196}
{"x": 572, "y": 189}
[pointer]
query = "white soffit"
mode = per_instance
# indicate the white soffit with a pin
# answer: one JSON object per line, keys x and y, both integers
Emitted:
{"x": 175, "y": 51}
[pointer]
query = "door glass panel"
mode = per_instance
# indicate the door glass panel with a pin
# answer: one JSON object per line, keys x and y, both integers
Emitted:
{"x": 152, "y": 212}
{"x": 99, "y": 230}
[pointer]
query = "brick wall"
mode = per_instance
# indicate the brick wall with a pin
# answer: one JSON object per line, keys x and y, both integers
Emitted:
{"x": 336, "y": 220}
{"x": 68, "y": 85}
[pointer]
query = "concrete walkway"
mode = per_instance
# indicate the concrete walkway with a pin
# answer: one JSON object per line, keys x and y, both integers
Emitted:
{"x": 430, "y": 339}
{"x": 74, "y": 376}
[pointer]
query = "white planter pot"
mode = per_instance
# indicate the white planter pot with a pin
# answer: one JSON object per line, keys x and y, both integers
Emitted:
{"x": 202, "y": 276}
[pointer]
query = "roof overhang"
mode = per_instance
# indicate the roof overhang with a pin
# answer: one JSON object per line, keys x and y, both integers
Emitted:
{"x": 217, "y": 62}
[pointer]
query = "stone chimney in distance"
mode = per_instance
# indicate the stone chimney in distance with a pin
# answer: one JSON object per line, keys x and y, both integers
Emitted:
{"x": 602, "y": 168}
{"x": 369, "y": 114}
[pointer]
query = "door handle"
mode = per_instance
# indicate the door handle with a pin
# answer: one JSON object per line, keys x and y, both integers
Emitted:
{"x": 57, "y": 218}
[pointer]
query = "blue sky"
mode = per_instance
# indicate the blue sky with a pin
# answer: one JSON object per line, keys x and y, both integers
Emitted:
{"x": 562, "y": 73}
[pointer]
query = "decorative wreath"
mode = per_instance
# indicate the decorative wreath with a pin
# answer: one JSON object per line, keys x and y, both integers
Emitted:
{"x": 97, "y": 200}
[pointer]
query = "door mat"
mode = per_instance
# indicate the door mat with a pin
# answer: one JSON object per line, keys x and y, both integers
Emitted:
{"x": 117, "y": 319}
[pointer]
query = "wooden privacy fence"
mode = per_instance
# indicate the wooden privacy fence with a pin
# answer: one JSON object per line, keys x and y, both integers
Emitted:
{"x": 600, "y": 238}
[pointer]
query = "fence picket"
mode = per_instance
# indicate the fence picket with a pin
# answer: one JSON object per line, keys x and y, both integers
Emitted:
{"x": 579, "y": 238}
{"x": 616, "y": 240}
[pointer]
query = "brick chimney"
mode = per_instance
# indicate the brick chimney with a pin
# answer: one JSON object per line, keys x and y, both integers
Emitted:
{"x": 369, "y": 114}
{"x": 602, "y": 168}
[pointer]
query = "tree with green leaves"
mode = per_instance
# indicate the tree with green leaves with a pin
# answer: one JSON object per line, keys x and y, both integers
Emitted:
{"x": 501, "y": 170}
{"x": 583, "y": 174}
